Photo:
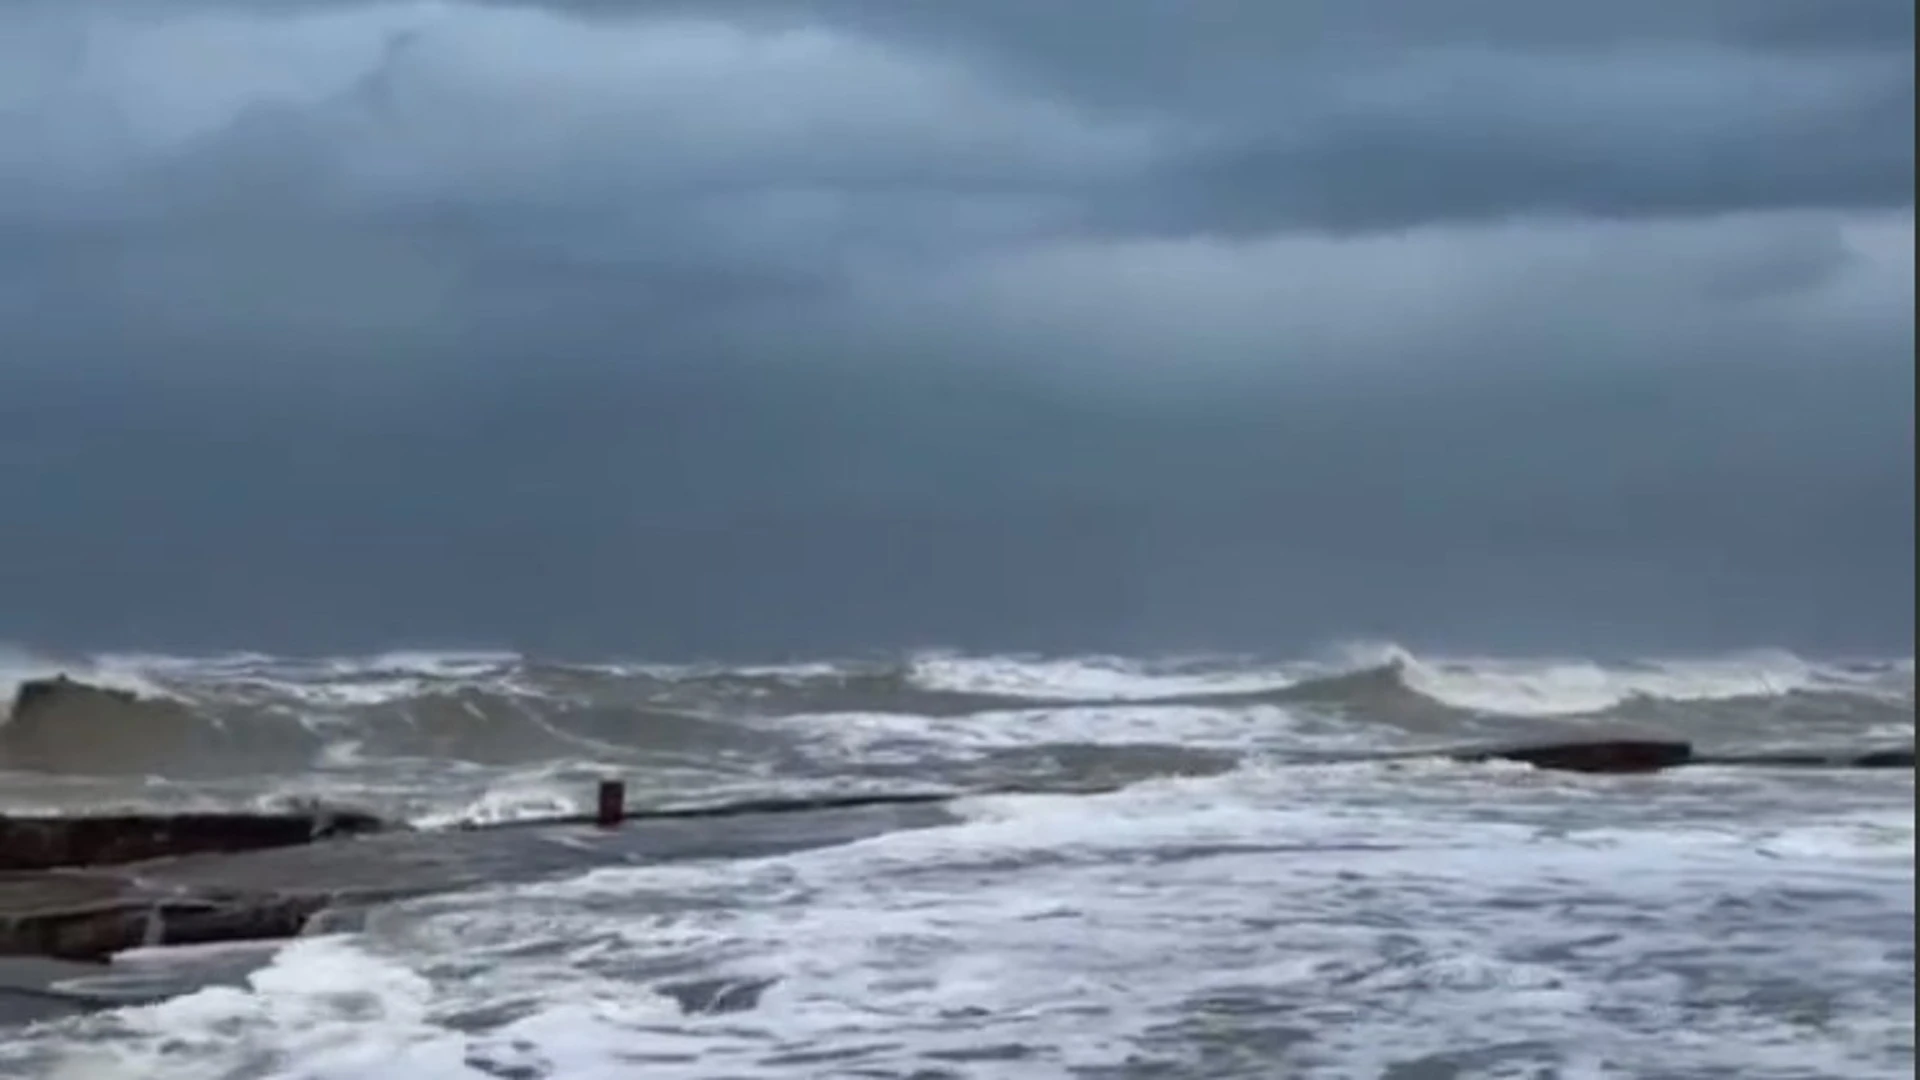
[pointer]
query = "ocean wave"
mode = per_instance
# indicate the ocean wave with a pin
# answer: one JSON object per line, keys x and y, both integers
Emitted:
{"x": 940, "y": 683}
{"x": 214, "y": 715}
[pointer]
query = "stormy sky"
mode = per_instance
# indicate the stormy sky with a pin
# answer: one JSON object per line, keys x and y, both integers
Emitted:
{"x": 800, "y": 326}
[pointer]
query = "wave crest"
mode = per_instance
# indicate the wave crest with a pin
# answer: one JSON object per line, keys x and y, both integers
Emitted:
{"x": 219, "y": 714}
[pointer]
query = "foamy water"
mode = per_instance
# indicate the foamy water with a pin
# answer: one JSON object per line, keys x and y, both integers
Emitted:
{"x": 1415, "y": 919}
{"x": 1217, "y": 926}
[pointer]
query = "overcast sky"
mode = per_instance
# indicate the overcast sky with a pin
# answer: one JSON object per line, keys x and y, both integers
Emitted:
{"x": 803, "y": 326}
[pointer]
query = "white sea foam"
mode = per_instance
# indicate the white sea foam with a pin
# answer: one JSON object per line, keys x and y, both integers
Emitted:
{"x": 1085, "y": 678}
{"x": 905, "y": 739}
{"x": 519, "y": 802}
{"x": 1336, "y": 920}
{"x": 1538, "y": 686}
{"x": 1545, "y": 688}
{"x": 1548, "y": 686}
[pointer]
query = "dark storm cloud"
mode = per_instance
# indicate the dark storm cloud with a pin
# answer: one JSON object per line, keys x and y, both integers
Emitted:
{"x": 822, "y": 324}
{"x": 1394, "y": 112}
{"x": 1254, "y": 116}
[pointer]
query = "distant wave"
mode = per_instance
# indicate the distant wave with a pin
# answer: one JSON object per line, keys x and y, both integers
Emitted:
{"x": 949, "y": 683}
{"x": 222, "y": 713}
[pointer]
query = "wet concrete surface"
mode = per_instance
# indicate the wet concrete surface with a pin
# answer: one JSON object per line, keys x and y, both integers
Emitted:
{"x": 92, "y": 913}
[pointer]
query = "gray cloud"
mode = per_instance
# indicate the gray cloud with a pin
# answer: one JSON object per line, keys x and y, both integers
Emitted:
{"x": 759, "y": 326}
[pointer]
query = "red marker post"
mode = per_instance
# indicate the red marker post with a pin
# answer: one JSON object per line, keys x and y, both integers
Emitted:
{"x": 612, "y": 808}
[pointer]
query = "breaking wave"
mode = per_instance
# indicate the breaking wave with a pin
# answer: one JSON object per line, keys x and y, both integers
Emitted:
{"x": 216, "y": 714}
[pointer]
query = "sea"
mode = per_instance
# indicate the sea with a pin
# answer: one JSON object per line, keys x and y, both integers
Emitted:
{"x": 1190, "y": 867}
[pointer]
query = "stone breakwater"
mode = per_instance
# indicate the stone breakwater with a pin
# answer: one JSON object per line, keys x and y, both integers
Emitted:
{"x": 46, "y": 843}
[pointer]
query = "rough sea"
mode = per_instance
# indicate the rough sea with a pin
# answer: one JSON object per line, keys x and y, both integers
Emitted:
{"x": 1242, "y": 902}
